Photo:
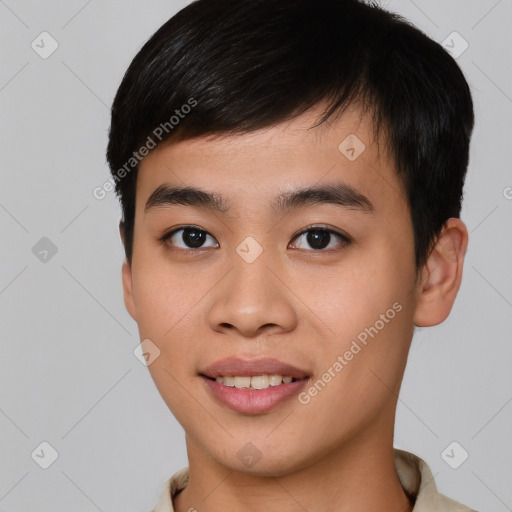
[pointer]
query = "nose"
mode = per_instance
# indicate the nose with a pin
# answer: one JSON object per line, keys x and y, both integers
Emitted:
{"x": 253, "y": 299}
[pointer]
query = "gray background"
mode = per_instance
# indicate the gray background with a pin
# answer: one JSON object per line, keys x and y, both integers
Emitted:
{"x": 68, "y": 374}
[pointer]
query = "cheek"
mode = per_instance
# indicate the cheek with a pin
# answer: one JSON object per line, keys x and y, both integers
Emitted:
{"x": 351, "y": 301}
{"x": 168, "y": 307}
{"x": 361, "y": 372}
{"x": 166, "y": 296}
{"x": 169, "y": 314}
{"x": 369, "y": 311}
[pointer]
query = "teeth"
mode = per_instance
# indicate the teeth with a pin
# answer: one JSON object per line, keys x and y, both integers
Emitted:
{"x": 256, "y": 382}
{"x": 259, "y": 382}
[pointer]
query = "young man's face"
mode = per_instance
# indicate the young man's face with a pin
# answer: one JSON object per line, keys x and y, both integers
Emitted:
{"x": 341, "y": 311}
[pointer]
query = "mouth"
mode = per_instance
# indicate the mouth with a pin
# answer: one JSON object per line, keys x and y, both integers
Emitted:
{"x": 253, "y": 386}
{"x": 255, "y": 382}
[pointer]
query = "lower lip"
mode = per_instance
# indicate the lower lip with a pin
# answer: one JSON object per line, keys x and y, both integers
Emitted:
{"x": 253, "y": 401}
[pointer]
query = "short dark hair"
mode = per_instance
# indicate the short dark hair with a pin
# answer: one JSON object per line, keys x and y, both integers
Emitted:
{"x": 250, "y": 64}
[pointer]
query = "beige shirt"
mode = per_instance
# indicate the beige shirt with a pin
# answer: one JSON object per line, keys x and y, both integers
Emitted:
{"x": 414, "y": 474}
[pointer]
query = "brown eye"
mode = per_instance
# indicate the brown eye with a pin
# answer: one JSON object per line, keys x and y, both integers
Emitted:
{"x": 320, "y": 238}
{"x": 190, "y": 238}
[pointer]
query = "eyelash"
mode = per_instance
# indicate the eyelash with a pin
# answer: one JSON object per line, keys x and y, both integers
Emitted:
{"x": 344, "y": 239}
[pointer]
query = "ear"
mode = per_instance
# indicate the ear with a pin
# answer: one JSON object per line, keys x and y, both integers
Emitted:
{"x": 442, "y": 275}
{"x": 126, "y": 274}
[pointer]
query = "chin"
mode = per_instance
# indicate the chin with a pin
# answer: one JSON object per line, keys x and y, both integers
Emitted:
{"x": 256, "y": 459}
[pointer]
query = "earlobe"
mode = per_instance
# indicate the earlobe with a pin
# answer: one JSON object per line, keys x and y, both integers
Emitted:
{"x": 442, "y": 275}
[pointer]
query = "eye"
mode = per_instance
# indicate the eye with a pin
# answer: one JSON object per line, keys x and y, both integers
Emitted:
{"x": 189, "y": 237}
{"x": 320, "y": 238}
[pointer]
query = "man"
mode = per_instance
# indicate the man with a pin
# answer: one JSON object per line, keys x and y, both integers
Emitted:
{"x": 291, "y": 178}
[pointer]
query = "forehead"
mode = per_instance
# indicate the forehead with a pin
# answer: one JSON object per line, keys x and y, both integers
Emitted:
{"x": 250, "y": 169}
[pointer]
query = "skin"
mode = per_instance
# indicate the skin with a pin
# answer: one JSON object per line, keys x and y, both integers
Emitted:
{"x": 294, "y": 303}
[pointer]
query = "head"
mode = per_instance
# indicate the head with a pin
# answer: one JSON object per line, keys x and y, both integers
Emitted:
{"x": 261, "y": 118}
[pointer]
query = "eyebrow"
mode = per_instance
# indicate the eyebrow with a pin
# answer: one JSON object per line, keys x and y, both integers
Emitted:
{"x": 339, "y": 194}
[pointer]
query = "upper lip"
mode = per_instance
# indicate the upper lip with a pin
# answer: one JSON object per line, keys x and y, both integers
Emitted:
{"x": 236, "y": 366}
